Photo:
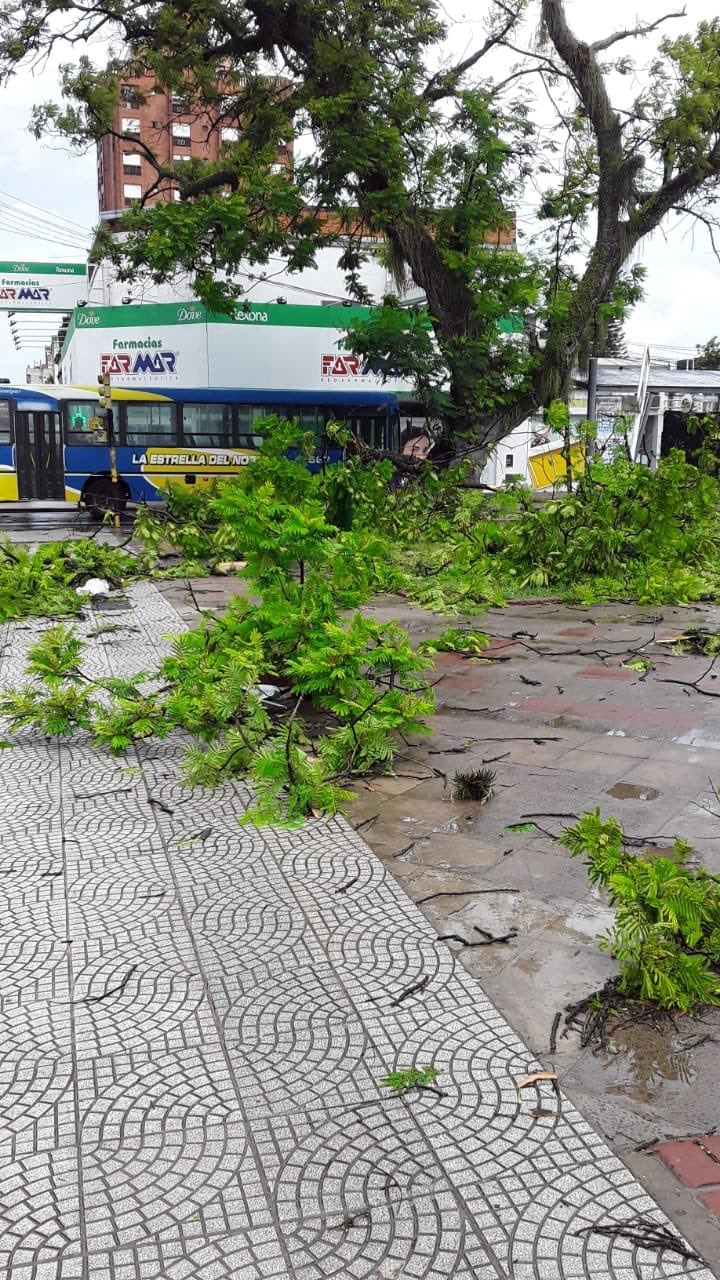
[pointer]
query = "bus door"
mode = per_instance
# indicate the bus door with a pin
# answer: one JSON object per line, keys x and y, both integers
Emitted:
{"x": 39, "y": 454}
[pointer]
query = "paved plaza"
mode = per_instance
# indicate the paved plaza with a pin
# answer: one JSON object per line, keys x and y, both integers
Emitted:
{"x": 195, "y": 1020}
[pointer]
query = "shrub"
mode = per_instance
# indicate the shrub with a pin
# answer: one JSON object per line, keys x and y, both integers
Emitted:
{"x": 666, "y": 935}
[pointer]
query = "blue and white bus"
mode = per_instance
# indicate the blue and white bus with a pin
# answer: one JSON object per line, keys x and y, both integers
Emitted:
{"x": 50, "y": 449}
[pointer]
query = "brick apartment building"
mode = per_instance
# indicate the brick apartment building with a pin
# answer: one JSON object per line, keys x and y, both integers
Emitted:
{"x": 175, "y": 134}
{"x": 165, "y": 123}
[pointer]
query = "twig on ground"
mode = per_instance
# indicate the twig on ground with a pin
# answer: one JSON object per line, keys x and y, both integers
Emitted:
{"x": 112, "y": 991}
{"x": 367, "y": 822}
{"x": 413, "y": 990}
{"x": 549, "y": 815}
{"x": 160, "y": 804}
{"x": 491, "y": 938}
{"x": 645, "y": 1234}
{"x": 408, "y": 847}
{"x": 554, "y": 1030}
{"x": 695, "y": 684}
{"x": 460, "y": 893}
{"x": 343, "y": 888}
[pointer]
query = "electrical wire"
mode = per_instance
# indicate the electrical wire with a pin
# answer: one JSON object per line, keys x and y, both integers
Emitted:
{"x": 30, "y": 234}
{"x": 34, "y": 235}
{"x": 54, "y": 217}
{"x": 12, "y": 213}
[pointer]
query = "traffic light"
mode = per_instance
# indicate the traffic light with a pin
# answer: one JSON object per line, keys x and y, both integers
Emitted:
{"x": 104, "y": 392}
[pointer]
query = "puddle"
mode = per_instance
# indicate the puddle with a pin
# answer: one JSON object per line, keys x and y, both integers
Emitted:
{"x": 111, "y": 604}
{"x": 632, "y": 791}
{"x": 648, "y": 1060}
{"x": 588, "y": 920}
{"x": 694, "y": 740}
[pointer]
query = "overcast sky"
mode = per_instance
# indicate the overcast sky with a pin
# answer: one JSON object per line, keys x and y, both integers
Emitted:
{"x": 683, "y": 284}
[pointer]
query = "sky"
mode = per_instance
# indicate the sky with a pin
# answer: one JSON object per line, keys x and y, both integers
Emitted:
{"x": 683, "y": 285}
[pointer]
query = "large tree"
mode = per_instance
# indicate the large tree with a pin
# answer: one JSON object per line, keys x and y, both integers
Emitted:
{"x": 708, "y": 355}
{"x": 429, "y": 152}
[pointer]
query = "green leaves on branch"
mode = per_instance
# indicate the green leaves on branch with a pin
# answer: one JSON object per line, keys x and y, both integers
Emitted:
{"x": 666, "y": 934}
{"x": 286, "y": 689}
{"x": 43, "y": 582}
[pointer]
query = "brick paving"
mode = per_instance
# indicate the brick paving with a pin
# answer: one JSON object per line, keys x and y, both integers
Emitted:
{"x": 195, "y": 1018}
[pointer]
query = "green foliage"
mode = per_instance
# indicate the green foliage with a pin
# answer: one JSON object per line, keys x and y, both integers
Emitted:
{"x": 457, "y": 640}
{"x": 474, "y": 784}
{"x": 412, "y": 1078}
{"x": 347, "y": 688}
{"x": 58, "y": 701}
{"x": 708, "y": 355}
{"x": 409, "y": 145}
{"x": 698, "y": 640}
{"x": 625, "y": 532}
{"x": 43, "y": 582}
{"x": 666, "y": 935}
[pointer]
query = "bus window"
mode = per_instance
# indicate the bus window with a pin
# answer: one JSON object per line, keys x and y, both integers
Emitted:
{"x": 248, "y": 414}
{"x": 149, "y": 423}
{"x": 79, "y": 414}
{"x": 369, "y": 430}
{"x": 308, "y": 419}
{"x": 207, "y": 426}
{"x": 4, "y": 421}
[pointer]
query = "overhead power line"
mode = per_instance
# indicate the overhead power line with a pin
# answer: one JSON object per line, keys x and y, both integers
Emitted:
{"x": 41, "y": 224}
{"x": 47, "y": 213}
{"x": 18, "y": 224}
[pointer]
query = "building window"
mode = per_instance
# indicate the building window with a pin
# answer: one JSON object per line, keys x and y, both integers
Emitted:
{"x": 176, "y": 195}
{"x": 509, "y": 459}
{"x": 4, "y": 422}
{"x": 229, "y": 133}
{"x": 149, "y": 424}
{"x": 277, "y": 168}
{"x": 129, "y": 124}
{"x": 130, "y": 96}
{"x": 132, "y": 191}
{"x": 131, "y": 165}
{"x": 207, "y": 426}
{"x": 179, "y": 104}
{"x": 180, "y": 159}
{"x": 180, "y": 130}
{"x": 181, "y": 142}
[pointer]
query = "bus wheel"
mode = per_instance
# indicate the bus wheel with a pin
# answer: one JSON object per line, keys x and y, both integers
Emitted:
{"x": 100, "y": 495}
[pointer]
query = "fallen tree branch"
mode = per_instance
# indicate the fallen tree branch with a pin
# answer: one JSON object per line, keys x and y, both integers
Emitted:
{"x": 493, "y": 937}
{"x": 645, "y": 1234}
{"x": 461, "y": 893}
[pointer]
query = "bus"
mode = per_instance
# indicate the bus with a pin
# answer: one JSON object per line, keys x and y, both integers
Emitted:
{"x": 51, "y": 447}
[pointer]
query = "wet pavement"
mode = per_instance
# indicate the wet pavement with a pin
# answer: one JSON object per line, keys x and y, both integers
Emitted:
{"x": 196, "y": 1017}
{"x": 566, "y": 727}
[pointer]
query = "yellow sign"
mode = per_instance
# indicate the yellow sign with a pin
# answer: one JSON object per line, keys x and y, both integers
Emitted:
{"x": 546, "y": 469}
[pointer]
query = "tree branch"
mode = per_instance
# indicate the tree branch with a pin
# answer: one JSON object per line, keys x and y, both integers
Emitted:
{"x": 598, "y": 46}
{"x": 444, "y": 83}
{"x": 654, "y": 207}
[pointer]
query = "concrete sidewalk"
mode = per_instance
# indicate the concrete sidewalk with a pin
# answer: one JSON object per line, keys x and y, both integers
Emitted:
{"x": 195, "y": 1019}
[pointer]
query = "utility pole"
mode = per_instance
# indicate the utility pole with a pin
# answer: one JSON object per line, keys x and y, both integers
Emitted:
{"x": 106, "y": 410}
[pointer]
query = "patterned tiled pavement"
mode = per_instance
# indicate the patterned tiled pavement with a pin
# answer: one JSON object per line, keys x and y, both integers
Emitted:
{"x": 194, "y": 1018}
